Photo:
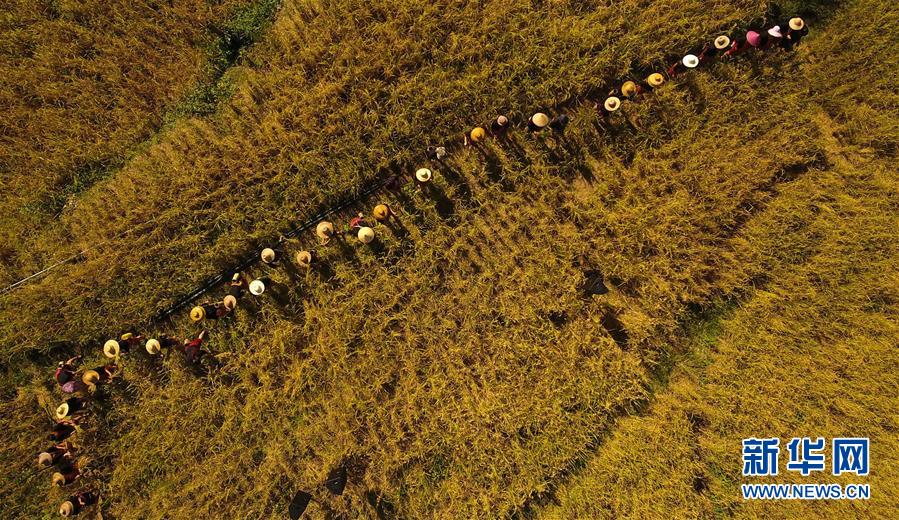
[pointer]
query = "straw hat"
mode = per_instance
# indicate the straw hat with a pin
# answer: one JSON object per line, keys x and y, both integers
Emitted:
{"x": 58, "y": 479}
{"x": 90, "y": 377}
{"x": 423, "y": 175}
{"x": 62, "y": 411}
{"x": 44, "y": 459}
{"x": 324, "y": 229}
{"x": 381, "y": 212}
{"x": 502, "y": 120}
{"x": 655, "y": 79}
{"x": 126, "y": 336}
{"x": 477, "y": 134}
{"x": 366, "y": 235}
{"x": 797, "y": 24}
{"x": 153, "y": 347}
{"x": 722, "y": 42}
{"x": 268, "y": 255}
{"x": 111, "y": 348}
{"x": 775, "y": 32}
{"x": 304, "y": 258}
{"x": 67, "y": 508}
{"x": 690, "y": 61}
{"x": 612, "y": 104}
{"x": 754, "y": 38}
{"x": 540, "y": 119}
{"x": 257, "y": 287}
{"x": 197, "y": 313}
{"x": 440, "y": 152}
{"x": 230, "y": 302}
{"x": 628, "y": 89}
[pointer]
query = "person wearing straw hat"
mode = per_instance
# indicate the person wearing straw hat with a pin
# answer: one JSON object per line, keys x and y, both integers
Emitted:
{"x": 66, "y": 477}
{"x": 270, "y": 256}
{"x": 690, "y": 61}
{"x": 775, "y": 36}
{"x": 538, "y": 122}
{"x": 114, "y": 348}
{"x": 60, "y": 453}
{"x": 423, "y": 176}
{"x": 257, "y": 287}
{"x": 383, "y": 213}
{"x": 78, "y": 502}
{"x": 238, "y": 284}
{"x": 475, "y": 136}
{"x": 356, "y": 223}
{"x": 99, "y": 375}
{"x": 714, "y": 49}
{"x": 192, "y": 349}
{"x": 62, "y": 430}
{"x": 655, "y": 80}
{"x": 325, "y": 231}
{"x": 65, "y": 370}
{"x": 794, "y": 32}
{"x": 153, "y": 347}
{"x": 630, "y": 89}
{"x": 229, "y": 302}
{"x": 610, "y": 105}
{"x": 70, "y": 407}
{"x": 305, "y": 259}
{"x": 208, "y": 311}
{"x": 366, "y": 235}
{"x": 499, "y": 126}
{"x": 436, "y": 153}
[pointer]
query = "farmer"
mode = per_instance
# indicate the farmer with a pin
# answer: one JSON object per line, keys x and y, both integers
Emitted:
{"x": 78, "y": 502}
{"x": 436, "y": 153}
{"x": 630, "y": 89}
{"x": 610, "y": 105}
{"x": 305, "y": 259}
{"x": 796, "y": 30}
{"x": 56, "y": 454}
{"x": 99, "y": 375}
{"x": 62, "y": 430}
{"x": 383, "y": 212}
{"x": 70, "y": 407}
{"x": 65, "y": 370}
{"x": 537, "y": 122}
{"x": 192, "y": 348}
{"x": 654, "y": 81}
{"x": 499, "y": 126}
{"x": 775, "y": 36}
{"x": 209, "y": 311}
{"x": 65, "y": 477}
{"x": 475, "y": 136}
{"x": 356, "y": 223}
{"x": 690, "y": 61}
{"x": 559, "y": 123}
{"x": 238, "y": 285}
{"x": 270, "y": 256}
{"x": 325, "y": 231}
{"x": 229, "y": 303}
{"x": 714, "y": 49}
{"x": 423, "y": 176}
{"x": 155, "y": 346}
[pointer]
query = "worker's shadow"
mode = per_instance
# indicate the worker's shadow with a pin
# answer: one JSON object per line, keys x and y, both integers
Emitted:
{"x": 396, "y": 227}
{"x": 461, "y": 187}
{"x": 445, "y": 207}
{"x": 347, "y": 251}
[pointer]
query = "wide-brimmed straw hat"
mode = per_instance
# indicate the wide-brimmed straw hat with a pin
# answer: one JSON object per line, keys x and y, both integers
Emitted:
{"x": 90, "y": 377}
{"x": 366, "y": 235}
{"x": 722, "y": 42}
{"x": 153, "y": 347}
{"x": 230, "y": 302}
{"x": 502, "y": 120}
{"x": 324, "y": 229}
{"x": 111, "y": 348}
{"x": 197, "y": 313}
{"x": 304, "y": 258}
{"x": 62, "y": 411}
{"x": 58, "y": 479}
{"x": 797, "y": 24}
{"x": 753, "y": 38}
{"x": 540, "y": 119}
{"x": 477, "y": 134}
{"x": 67, "y": 508}
{"x": 690, "y": 61}
{"x": 268, "y": 255}
{"x": 655, "y": 79}
{"x": 423, "y": 175}
{"x": 381, "y": 212}
{"x": 126, "y": 336}
{"x": 257, "y": 287}
{"x": 44, "y": 459}
{"x": 612, "y": 103}
{"x": 628, "y": 89}
{"x": 775, "y": 32}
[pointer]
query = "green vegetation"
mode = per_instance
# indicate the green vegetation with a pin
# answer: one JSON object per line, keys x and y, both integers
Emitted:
{"x": 743, "y": 216}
